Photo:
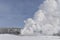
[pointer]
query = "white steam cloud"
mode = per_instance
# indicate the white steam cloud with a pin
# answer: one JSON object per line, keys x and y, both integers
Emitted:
{"x": 46, "y": 20}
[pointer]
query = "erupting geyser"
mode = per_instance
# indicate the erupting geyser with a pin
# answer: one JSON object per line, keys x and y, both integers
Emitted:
{"x": 46, "y": 20}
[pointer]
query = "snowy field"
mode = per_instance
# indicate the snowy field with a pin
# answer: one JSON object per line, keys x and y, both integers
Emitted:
{"x": 15, "y": 37}
{"x": 46, "y": 21}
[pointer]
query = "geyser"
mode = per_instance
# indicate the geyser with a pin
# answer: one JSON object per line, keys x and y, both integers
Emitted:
{"x": 46, "y": 20}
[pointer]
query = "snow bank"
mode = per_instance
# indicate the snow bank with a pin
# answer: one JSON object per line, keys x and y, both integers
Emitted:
{"x": 14, "y": 37}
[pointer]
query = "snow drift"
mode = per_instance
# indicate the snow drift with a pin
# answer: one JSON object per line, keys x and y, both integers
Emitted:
{"x": 46, "y": 20}
{"x": 14, "y": 37}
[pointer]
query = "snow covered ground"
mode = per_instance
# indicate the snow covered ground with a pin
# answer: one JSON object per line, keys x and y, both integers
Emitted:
{"x": 15, "y": 37}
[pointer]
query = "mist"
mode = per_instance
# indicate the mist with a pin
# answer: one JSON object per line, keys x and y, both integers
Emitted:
{"x": 46, "y": 20}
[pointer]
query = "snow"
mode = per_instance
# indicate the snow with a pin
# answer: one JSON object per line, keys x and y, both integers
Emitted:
{"x": 42, "y": 26}
{"x": 16, "y": 37}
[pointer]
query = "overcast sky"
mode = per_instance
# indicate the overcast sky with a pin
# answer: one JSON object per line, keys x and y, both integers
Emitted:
{"x": 14, "y": 12}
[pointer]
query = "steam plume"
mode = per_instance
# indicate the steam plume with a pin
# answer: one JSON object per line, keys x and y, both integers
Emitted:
{"x": 46, "y": 20}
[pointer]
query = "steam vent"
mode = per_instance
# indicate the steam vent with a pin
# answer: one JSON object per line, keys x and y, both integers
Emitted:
{"x": 15, "y": 31}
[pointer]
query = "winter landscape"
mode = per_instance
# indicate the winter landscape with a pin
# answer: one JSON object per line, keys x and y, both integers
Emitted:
{"x": 44, "y": 25}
